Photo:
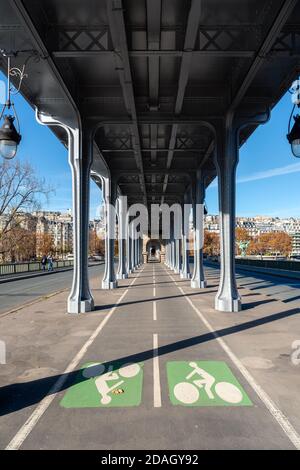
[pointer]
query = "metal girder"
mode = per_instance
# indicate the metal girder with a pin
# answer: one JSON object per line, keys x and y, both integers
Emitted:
{"x": 284, "y": 13}
{"x": 153, "y": 32}
{"x": 214, "y": 41}
{"x": 176, "y": 150}
{"x": 10, "y": 27}
{"x": 78, "y": 54}
{"x": 192, "y": 29}
{"x": 27, "y": 24}
{"x": 119, "y": 39}
{"x": 153, "y": 171}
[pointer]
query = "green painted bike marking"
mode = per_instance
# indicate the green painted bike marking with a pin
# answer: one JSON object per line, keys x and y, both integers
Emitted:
{"x": 204, "y": 383}
{"x": 96, "y": 385}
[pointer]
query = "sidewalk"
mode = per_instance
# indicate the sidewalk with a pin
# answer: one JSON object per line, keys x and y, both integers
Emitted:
{"x": 163, "y": 327}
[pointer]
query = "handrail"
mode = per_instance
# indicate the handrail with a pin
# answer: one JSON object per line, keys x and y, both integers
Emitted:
{"x": 17, "y": 268}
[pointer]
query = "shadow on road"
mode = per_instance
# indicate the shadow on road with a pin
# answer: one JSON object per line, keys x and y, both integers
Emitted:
{"x": 18, "y": 396}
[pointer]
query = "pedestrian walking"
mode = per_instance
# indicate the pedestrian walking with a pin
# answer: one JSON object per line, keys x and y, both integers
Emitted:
{"x": 50, "y": 262}
{"x": 44, "y": 262}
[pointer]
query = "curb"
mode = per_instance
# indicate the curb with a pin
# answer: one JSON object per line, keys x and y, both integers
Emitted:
{"x": 33, "y": 302}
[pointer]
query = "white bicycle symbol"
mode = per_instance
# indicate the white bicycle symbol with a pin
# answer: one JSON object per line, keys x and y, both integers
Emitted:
{"x": 98, "y": 369}
{"x": 189, "y": 393}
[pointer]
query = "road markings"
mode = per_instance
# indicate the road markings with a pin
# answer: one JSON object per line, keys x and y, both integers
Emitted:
{"x": 101, "y": 385}
{"x": 277, "y": 414}
{"x": 156, "y": 374}
{"x": 154, "y": 311}
{"x": 204, "y": 383}
{"x": 44, "y": 404}
{"x": 154, "y": 291}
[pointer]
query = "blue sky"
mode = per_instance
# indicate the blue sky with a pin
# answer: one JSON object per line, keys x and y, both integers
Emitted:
{"x": 49, "y": 159}
{"x": 268, "y": 175}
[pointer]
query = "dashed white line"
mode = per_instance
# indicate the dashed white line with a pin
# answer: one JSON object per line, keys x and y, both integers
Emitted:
{"x": 154, "y": 311}
{"x": 156, "y": 374}
{"x": 277, "y": 414}
{"x": 44, "y": 404}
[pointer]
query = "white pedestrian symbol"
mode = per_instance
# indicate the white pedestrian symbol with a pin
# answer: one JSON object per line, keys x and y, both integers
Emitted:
{"x": 102, "y": 381}
{"x": 189, "y": 393}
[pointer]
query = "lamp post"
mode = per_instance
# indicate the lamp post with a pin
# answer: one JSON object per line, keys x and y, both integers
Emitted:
{"x": 10, "y": 136}
{"x": 294, "y": 137}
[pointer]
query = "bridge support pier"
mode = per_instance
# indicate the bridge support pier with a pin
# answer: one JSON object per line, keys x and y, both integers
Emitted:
{"x": 80, "y": 154}
{"x": 109, "y": 195}
{"x": 122, "y": 267}
{"x": 136, "y": 253}
{"x": 128, "y": 249}
{"x": 185, "y": 269}
{"x": 80, "y": 299}
{"x": 133, "y": 247}
{"x": 177, "y": 268}
{"x": 169, "y": 254}
{"x": 173, "y": 254}
{"x": 226, "y": 159}
{"x": 198, "y": 280}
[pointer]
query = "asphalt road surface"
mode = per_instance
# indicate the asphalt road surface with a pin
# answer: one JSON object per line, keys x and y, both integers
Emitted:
{"x": 280, "y": 288}
{"x": 178, "y": 380}
{"x": 20, "y": 292}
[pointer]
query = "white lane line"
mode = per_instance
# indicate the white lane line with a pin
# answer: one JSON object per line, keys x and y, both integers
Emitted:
{"x": 42, "y": 407}
{"x": 277, "y": 414}
{"x": 154, "y": 291}
{"x": 154, "y": 311}
{"x": 156, "y": 375}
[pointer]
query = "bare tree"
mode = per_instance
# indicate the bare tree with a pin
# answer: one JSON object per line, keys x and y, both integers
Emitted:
{"x": 20, "y": 194}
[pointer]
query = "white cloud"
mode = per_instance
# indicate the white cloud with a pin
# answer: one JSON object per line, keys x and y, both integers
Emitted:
{"x": 284, "y": 170}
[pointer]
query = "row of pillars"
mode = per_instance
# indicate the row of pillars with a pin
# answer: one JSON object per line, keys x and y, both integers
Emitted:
{"x": 129, "y": 241}
{"x": 178, "y": 252}
{"x": 81, "y": 148}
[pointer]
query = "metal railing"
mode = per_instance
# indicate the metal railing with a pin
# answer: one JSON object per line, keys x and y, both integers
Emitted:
{"x": 273, "y": 264}
{"x": 16, "y": 268}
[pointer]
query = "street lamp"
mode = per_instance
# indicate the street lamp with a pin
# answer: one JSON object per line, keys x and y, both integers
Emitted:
{"x": 10, "y": 136}
{"x": 293, "y": 135}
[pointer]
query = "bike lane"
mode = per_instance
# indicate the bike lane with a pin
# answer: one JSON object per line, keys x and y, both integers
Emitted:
{"x": 158, "y": 332}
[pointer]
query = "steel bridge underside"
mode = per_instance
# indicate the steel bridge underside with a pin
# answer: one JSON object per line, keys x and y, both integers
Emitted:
{"x": 163, "y": 87}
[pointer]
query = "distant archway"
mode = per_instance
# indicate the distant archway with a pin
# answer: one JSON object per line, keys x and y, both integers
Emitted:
{"x": 153, "y": 249}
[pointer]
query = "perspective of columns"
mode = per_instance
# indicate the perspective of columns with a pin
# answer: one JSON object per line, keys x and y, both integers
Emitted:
{"x": 109, "y": 196}
{"x": 226, "y": 159}
{"x": 198, "y": 279}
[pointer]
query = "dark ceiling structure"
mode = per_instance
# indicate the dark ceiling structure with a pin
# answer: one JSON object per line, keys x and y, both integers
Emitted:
{"x": 151, "y": 74}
